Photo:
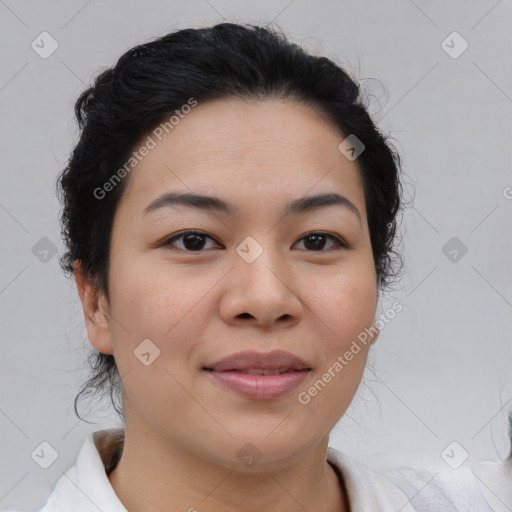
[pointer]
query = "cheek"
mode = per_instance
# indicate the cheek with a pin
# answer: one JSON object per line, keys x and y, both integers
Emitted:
{"x": 344, "y": 309}
{"x": 151, "y": 305}
{"x": 166, "y": 306}
{"x": 345, "y": 306}
{"x": 327, "y": 398}
{"x": 152, "y": 299}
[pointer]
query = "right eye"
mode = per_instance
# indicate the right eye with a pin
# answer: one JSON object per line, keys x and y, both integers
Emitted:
{"x": 192, "y": 240}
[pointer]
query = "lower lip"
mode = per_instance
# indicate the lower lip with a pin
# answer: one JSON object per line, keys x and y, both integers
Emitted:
{"x": 261, "y": 387}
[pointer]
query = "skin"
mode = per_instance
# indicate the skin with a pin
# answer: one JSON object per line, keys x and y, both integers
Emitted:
{"x": 183, "y": 429}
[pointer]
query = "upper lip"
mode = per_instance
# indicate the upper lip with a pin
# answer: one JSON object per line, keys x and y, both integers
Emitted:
{"x": 275, "y": 360}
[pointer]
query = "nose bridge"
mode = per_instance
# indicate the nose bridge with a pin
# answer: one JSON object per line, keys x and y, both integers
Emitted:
{"x": 259, "y": 284}
{"x": 261, "y": 262}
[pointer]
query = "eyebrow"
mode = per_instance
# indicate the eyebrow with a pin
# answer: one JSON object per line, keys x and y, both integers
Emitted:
{"x": 212, "y": 203}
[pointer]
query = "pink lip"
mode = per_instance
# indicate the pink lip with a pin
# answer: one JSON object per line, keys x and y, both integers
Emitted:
{"x": 232, "y": 373}
{"x": 261, "y": 387}
{"x": 275, "y": 360}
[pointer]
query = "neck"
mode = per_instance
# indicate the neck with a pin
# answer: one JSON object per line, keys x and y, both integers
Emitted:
{"x": 174, "y": 479}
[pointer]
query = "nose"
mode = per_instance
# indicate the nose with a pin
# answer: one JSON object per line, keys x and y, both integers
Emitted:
{"x": 261, "y": 294}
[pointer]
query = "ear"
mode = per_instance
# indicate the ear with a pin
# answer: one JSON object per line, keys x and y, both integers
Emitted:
{"x": 95, "y": 306}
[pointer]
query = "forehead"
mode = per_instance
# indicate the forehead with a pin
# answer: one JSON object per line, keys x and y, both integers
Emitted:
{"x": 274, "y": 150}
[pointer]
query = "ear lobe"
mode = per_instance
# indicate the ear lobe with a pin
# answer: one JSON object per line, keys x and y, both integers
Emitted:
{"x": 95, "y": 307}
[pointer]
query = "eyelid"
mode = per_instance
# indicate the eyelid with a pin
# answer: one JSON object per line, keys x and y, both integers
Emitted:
{"x": 176, "y": 236}
{"x": 338, "y": 241}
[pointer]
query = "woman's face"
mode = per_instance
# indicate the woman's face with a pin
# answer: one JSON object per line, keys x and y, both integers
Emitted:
{"x": 195, "y": 322}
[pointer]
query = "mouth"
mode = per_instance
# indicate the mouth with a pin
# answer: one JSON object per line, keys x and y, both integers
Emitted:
{"x": 260, "y": 376}
{"x": 276, "y": 361}
{"x": 261, "y": 371}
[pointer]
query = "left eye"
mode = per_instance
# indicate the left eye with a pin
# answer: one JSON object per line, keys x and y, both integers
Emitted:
{"x": 318, "y": 240}
{"x": 194, "y": 241}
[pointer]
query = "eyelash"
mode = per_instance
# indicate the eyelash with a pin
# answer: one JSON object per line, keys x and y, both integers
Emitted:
{"x": 168, "y": 242}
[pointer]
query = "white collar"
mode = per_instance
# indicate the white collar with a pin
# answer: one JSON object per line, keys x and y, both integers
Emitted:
{"x": 368, "y": 490}
{"x": 495, "y": 479}
{"x": 86, "y": 487}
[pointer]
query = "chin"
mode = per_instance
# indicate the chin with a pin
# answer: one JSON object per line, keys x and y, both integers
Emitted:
{"x": 259, "y": 452}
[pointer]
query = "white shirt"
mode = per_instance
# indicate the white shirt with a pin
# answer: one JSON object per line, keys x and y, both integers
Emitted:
{"x": 495, "y": 479}
{"x": 86, "y": 488}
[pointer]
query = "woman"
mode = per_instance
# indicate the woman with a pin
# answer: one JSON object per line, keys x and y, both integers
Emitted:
{"x": 230, "y": 215}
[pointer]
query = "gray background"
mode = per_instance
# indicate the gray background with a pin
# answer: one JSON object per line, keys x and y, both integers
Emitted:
{"x": 441, "y": 368}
